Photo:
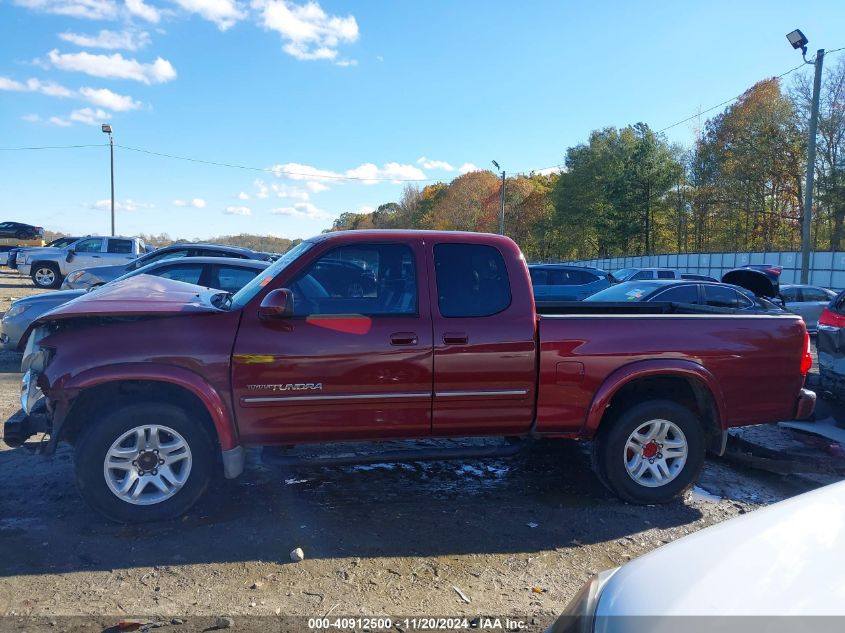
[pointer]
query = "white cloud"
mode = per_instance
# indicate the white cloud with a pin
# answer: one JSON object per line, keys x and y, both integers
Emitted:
{"x": 196, "y": 203}
{"x": 428, "y": 163}
{"x": 86, "y": 9}
{"x": 31, "y": 118}
{"x": 368, "y": 173}
{"x": 49, "y": 88}
{"x": 108, "y": 99}
{"x": 262, "y": 190}
{"x": 88, "y": 116}
{"x": 102, "y": 97}
{"x": 143, "y": 11}
{"x": 379, "y": 58}
{"x": 243, "y": 195}
{"x": 308, "y": 31}
{"x": 467, "y": 167}
{"x": 114, "y": 66}
{"x": 284, "y": 191}
{"x": 112, "y": 40}
{"x": 316, "y": 187}
{"x": 120, "y": 205}
{"x": 302, "y": 210}
{"x": 224, "y": 13}
{"x": 237, "y": 211}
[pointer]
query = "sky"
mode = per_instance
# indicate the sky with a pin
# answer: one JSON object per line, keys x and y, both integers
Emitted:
{"x": 334, "y": 106}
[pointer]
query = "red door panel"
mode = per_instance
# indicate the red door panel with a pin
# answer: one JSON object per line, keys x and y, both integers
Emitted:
{"x": 484, "y": 340}
{"x": 346, "y": 374}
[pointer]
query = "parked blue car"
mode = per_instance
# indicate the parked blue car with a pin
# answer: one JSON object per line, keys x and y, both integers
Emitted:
{"x": 564, "y": 282}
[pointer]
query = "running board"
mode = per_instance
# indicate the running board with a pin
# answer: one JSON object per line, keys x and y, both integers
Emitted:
{"x": 429, "y": 454}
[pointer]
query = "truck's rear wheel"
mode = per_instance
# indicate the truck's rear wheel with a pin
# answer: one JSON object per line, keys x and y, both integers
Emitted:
{"x": 143, "y": 462}
{"x": 46, "y": 275}
{"x": 651, "y": 452}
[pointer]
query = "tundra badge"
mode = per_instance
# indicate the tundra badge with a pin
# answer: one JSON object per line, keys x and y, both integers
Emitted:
{"x": 298, "y": 386}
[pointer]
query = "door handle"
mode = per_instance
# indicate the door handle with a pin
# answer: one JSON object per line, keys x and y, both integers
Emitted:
{"x": 403, "y": 338}
{"x": 455, "y": 338}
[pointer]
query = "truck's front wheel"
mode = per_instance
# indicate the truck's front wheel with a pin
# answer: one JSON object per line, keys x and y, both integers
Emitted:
{"x": 651, "y": 452}
{"x": 143, "y": 462}
{"x": 46, "y": 275}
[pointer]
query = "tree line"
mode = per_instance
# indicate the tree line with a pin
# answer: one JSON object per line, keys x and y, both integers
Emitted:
{"x": 628, "y": 191}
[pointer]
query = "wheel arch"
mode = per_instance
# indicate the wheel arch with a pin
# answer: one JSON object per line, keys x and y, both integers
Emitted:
{"x": 678, "y": 380}
{"x": 105, "y": 386}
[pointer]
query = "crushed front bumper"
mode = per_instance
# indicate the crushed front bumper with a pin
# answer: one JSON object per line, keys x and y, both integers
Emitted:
{"x": 21, "y": 426}
{"x": 806, "y": 404}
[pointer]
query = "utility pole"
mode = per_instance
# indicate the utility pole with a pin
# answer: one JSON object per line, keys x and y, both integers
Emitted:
{"x": 108, "y": 130}
{"x": 502, "y": 210}
{"x": 799, "y": 41}
{"x": 806, "y": 228}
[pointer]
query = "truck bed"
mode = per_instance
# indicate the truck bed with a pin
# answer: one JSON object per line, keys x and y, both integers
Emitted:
{"x": 751, "y": 362}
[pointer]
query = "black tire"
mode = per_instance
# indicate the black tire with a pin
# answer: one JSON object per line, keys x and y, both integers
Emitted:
{"x": 609, "y": 452}
{"x": 38, "y": 278}
{"x": 92, "y": 447}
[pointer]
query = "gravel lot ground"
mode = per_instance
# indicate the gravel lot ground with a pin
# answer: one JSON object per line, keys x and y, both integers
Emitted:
{"x": 516, "y": 536}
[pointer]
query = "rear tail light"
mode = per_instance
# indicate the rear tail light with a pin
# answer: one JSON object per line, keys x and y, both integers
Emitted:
{"x": 806, "y": 358}
{"x": 831, "y": 318}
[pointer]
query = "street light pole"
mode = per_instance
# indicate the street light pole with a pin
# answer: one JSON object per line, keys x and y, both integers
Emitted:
{"x": 108, "y": 130}
{"x": 502, "y": 210}
{"x": 806, "y": 228}
{"x": 799, "y": 41}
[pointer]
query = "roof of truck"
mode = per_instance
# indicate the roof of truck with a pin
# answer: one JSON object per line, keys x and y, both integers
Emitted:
{"x": 382, "y": 234}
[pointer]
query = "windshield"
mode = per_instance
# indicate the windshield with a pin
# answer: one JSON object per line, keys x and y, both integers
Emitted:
{"x": 623, "y": 273}
{"x": 245, "y": 294}
{"x": 62, "y": 241}
{"x": 628, "y": 291}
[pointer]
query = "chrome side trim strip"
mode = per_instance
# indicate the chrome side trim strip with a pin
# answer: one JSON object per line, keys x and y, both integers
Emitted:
{"x": 480, "y": 394}
{"x": 353, "y": 396}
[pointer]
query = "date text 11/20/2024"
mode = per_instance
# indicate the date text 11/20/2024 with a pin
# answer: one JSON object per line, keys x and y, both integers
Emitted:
{"x": 422, "y": 623}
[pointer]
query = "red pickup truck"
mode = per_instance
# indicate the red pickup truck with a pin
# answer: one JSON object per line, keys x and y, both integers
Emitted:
{"x": 371, "y": 335}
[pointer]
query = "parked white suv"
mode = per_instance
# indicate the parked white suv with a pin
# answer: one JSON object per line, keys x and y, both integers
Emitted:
{"x": 49, "y": 266}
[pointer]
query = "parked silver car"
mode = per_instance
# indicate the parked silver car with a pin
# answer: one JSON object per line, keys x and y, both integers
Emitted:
{"x": 784, "y": 560}
{"x": 98, "y": 275}
{"x": 806, "y": 301}
{"x": 223, "y": 273}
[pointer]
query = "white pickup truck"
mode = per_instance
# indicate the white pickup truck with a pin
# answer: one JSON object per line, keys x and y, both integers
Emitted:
{"x": 49, "y": 266}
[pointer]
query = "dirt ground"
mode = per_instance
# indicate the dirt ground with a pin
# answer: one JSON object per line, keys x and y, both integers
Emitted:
{"x": 509, "y": 537}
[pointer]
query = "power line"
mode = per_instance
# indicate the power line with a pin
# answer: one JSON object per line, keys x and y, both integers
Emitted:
{"x": 27, "y": 149}
{"x": 724, "y": 103}
{"x": 274, "y": 171}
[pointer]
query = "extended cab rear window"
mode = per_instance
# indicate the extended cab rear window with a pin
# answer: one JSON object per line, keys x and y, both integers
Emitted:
{"x": 472, "y": 280}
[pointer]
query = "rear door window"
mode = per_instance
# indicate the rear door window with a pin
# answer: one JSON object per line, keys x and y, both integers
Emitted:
{"x": 723, "y": 297}
{"x": 472, "y": 280}
{"x": 688, "y": 293}
{"x": 790, "y": 294}
{"x": 189, "y": 273}
{"x": 539, "y": 276}
{"x": 665, "y": 274}
{"x": 643, "y": 274}
{"x": 123, "y": 247}
{"x": 92, "y": 245}
{"x": 814, "y": 294}
{"x": 232, "y": 278}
